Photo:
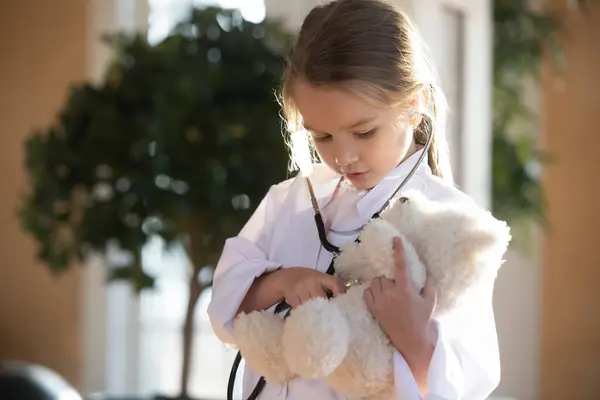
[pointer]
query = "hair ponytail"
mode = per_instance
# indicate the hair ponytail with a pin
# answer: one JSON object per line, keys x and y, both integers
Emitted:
{"x": 433, "y": 123}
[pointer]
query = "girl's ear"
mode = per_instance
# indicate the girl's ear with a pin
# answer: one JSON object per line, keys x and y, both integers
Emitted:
{"x": 415, "y": 112}
{"x": 417, "y": 106}
{"x": 422, "y": 99}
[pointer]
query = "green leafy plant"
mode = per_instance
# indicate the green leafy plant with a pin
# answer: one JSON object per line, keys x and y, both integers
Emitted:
{"x": 522, "y": 38}
{"x": 181, "y": 139}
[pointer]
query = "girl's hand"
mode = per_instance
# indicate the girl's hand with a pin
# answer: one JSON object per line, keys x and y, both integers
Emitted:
{"x": 405, "y": 316}
{"x": 299, "y": 284}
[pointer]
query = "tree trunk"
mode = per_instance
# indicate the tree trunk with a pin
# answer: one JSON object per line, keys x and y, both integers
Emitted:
{"x": 188, "y": 333}
{"x": 195, "y": 254}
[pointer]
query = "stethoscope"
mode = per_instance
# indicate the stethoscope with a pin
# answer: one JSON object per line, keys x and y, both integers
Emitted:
{"x": 327, "y": 245}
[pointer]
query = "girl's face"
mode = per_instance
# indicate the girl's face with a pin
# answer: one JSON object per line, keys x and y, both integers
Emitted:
{"x": 361, "y": 141}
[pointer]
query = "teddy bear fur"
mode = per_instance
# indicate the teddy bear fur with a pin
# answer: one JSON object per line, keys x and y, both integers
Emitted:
{"x": 338, "y": 339}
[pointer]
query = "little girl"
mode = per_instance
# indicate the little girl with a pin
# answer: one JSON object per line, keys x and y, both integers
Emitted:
{"x": 359, "y": 91}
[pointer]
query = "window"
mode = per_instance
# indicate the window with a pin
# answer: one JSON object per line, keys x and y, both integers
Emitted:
{"x": 165, "y": 13}
{"x": 162, "y": 311}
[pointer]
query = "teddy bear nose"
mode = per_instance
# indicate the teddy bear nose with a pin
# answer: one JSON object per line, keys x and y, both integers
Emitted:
{"x": 403, "y": 199}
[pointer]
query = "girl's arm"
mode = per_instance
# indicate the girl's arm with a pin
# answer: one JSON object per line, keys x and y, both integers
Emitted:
{"x": 246, "y": 280}
{"x": 465, "y": 363}
{"x": 294, "y": 284}
{"x": 451, "y": 358}
{"x": 265, "y": 292}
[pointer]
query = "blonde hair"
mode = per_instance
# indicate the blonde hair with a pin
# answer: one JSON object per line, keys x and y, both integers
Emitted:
{"x": 372, "y": 49}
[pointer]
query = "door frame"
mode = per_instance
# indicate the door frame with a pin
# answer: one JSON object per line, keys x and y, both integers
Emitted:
{"x": 475, "y": 146}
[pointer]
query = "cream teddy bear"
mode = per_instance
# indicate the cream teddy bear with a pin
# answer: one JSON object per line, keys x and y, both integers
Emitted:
{"x": 338, "y": 339}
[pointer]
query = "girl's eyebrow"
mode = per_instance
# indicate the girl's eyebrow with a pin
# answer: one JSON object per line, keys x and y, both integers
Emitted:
{"x": 361, "y": 122}
{"x": 356, "y": 124}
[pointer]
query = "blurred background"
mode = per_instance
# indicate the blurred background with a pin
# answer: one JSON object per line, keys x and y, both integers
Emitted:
{"x": 522, "y": 82}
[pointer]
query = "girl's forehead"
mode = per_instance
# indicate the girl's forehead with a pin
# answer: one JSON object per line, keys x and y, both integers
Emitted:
{"x": 330, "y": 109}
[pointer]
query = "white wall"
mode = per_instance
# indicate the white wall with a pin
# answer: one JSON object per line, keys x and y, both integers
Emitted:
{"x": 517, "y": 309}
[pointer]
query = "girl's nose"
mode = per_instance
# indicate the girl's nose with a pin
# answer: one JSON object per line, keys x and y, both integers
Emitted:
{"x": 345, "y": 157}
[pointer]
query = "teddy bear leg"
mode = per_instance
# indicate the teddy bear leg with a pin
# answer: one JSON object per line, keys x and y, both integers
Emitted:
{"x": 258, "y": 336}
{"x": 315, "y": 339}
{"x": 367, "y": 370}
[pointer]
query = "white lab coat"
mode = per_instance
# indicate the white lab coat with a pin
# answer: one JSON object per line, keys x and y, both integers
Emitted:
{"x": 282, "y": 232}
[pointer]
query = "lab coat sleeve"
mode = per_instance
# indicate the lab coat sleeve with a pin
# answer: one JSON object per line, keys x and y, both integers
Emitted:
{"x": 243, "y": 260}
{"x": 465, "y": 363}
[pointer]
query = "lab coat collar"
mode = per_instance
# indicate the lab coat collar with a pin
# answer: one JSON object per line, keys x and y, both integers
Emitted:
{"x": 376, "y": 197}
{"x": 324, "y": 182}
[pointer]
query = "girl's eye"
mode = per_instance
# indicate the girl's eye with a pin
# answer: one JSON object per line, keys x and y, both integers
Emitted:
{"x": 326, "y": 138}
{"x": 321, "y": 138}
{"x": 367, "y": 134}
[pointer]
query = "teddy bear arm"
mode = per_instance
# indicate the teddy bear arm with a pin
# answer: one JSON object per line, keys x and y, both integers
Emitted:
{"x": 315, "y": 338}
{"x": 258, "y": 336}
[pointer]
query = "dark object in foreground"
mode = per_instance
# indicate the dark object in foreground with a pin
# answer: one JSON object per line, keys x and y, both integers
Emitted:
{"x": 20, "y": 381}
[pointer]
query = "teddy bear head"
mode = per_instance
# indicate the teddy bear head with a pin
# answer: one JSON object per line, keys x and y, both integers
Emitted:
{"x": 454, "y": 242}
